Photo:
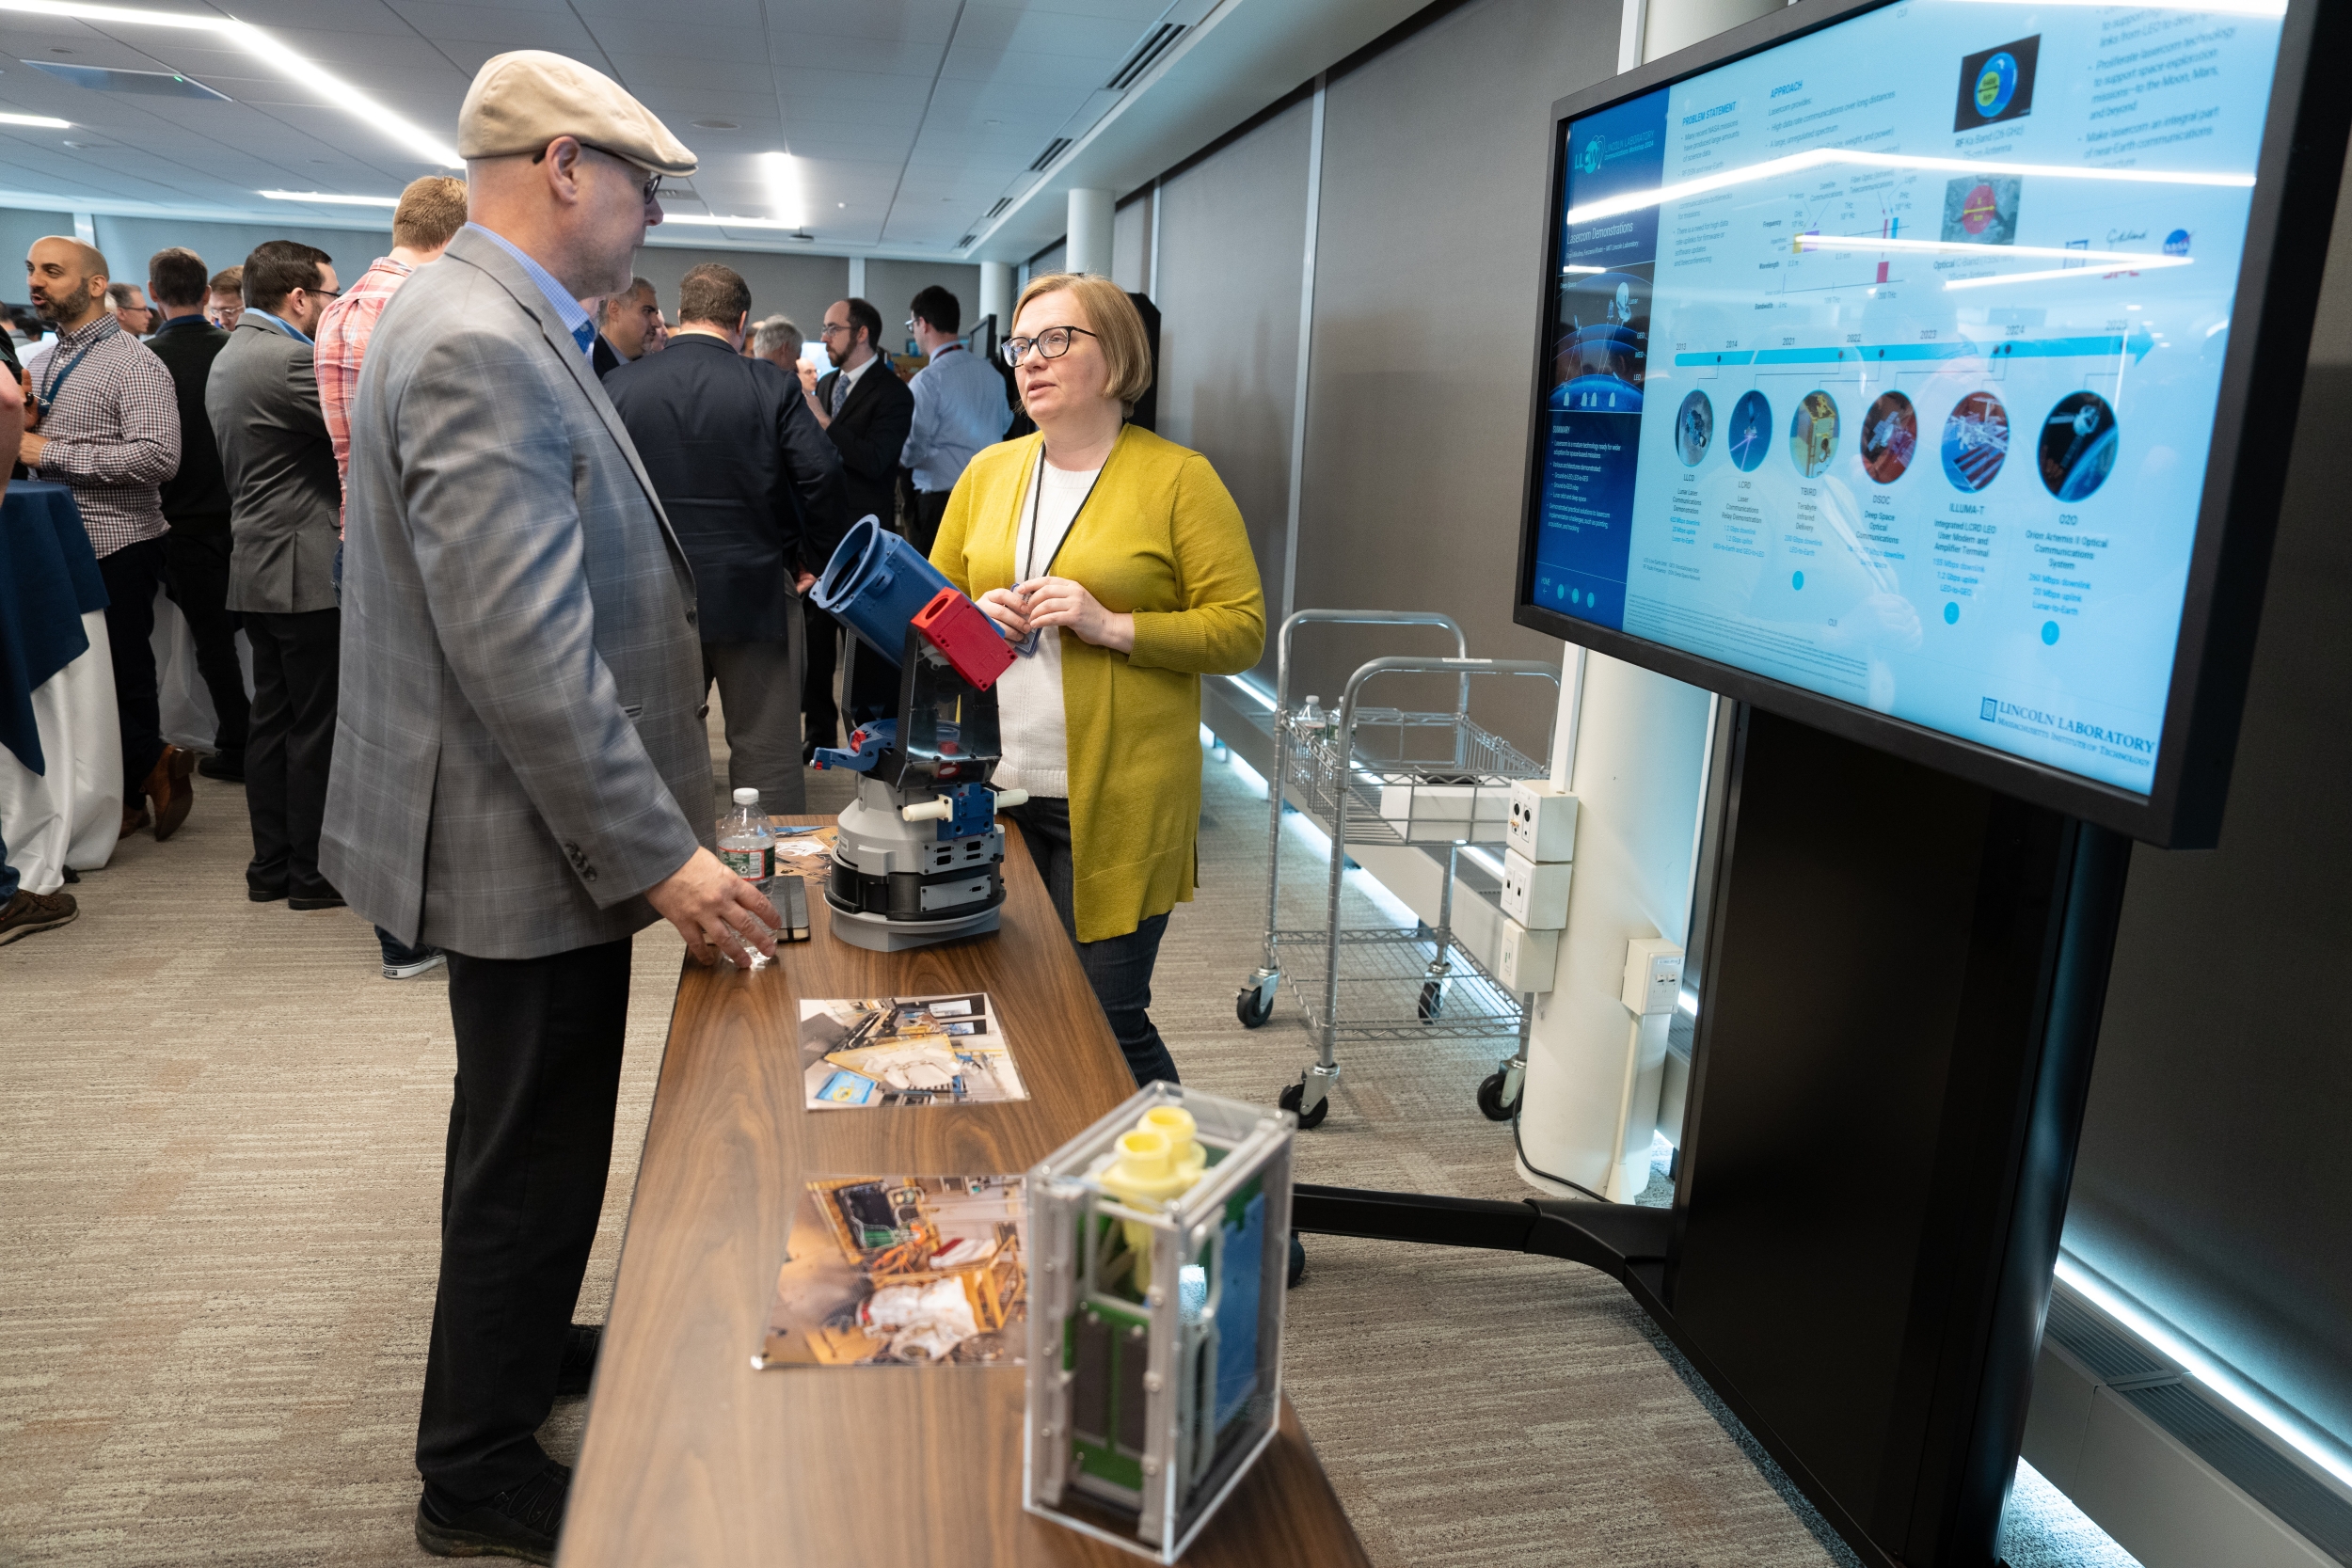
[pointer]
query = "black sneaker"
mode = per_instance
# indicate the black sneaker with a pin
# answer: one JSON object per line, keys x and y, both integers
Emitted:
{"x": 522, "y": 1522}
{"x": 579, "y": 1366}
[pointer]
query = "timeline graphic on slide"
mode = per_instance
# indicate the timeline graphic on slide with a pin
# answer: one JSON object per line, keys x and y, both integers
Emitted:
{"x": 1885, "y": 363}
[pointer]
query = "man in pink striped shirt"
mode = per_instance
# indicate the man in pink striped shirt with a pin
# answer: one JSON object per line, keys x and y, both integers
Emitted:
{"x": 431, "y": 210}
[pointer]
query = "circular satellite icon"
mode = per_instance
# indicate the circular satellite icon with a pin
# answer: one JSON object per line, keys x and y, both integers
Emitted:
{"x": 1975, "y": 441}
{"x": 2176, "y": 243}
{"x": 1813, "y": 432}
{"x": 2079, "y": 442}
{"x": 1694, "y": 429}
{"x": 1977, "y": 212}
{"x": 1751, "y": 433}
{"x": 1890, "y": 434}
{"x": 1996, "y": 84}
{"x": 1589, "y": 161}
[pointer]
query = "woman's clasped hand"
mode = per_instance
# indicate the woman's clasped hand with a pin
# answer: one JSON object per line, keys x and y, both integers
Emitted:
{"x": 1050, "y": 601}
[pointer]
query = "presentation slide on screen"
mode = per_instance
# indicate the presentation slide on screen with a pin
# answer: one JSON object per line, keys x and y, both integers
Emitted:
{"x": 1885, "y": 362}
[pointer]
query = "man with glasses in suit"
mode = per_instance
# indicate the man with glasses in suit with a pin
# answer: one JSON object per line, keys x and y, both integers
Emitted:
{"x": 868, "y": 412}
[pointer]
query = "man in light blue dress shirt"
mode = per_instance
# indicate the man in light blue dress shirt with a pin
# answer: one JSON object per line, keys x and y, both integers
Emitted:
{"x": 960, "y": 407}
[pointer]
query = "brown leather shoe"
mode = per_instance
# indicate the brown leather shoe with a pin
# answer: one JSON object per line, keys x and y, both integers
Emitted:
{"x": 134, "y": 819}
{"x": 28, "y": 913}
{"x": 171, "y": 786}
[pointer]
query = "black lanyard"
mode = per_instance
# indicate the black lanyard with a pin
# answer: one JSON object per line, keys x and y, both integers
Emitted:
{"x": 1037, "y": 494}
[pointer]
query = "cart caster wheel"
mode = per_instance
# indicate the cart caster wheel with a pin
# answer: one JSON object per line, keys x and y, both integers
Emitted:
{"x": 1432, "y": 1000}
{"x": 1490, "y": 1101}
{"x": 1253, "y": 1008}
{"x": 1299, "y": 1265}
{"x": 1307, "y": 1120}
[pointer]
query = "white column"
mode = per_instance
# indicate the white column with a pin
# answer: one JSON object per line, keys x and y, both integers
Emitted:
{"x": 1672, "y": 24}
{"x": 1090, "y": 249}
{"x": 857, "y": 277}
{"x": 1593, "y": 1075}
{"x": 996, "y": 294}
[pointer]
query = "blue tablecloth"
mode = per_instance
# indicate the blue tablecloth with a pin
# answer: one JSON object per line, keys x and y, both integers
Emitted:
{"x": 48, "y": 581}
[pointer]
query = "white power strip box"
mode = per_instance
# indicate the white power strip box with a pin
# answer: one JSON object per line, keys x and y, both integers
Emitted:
{"x": 1541, "y": 825}
{"x": 1652, "y": 983}
{"x": 1536, "y": 896}
{"x": 1526, "y": 961}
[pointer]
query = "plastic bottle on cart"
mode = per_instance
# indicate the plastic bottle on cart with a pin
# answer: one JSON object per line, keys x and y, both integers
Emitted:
{"x": 745, "y": 843}
{"x": 1311, "y": 719}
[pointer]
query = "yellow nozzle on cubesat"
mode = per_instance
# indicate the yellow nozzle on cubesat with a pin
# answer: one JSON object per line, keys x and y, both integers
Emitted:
{"x": 1159, "y": 1161}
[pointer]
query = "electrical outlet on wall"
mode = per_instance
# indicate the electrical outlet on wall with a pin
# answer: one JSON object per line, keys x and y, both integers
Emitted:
{"x": 1542, "y": 822}
{"x": 1534, "y": 896}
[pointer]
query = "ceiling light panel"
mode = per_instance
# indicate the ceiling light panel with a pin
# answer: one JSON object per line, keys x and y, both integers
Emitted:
{"x": 265, "y": 49}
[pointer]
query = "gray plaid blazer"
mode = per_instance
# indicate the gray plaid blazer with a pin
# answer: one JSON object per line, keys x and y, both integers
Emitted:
{"x": 520, "y": 751}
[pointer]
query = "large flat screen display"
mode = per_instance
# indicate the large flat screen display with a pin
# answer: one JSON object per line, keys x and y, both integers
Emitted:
{"x": 1885, "y": 362}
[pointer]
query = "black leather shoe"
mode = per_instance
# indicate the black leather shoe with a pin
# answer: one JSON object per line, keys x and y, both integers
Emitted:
{"x": 522, "y": 1522}
{"x": 228, "y": 766}
{"x": 263, "y": 894}
{"x": 316, "y": 901}
{"x": 579, "y": 1360}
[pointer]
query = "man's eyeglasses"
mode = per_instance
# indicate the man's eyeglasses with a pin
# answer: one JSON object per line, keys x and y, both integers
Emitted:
{"x": 831, "y": 327}
{"x": 1052, "y": 344}
{"x": 649, "y": 188}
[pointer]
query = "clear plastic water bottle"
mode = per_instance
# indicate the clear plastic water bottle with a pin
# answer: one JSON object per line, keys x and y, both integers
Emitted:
{"x": 745, "y": 842}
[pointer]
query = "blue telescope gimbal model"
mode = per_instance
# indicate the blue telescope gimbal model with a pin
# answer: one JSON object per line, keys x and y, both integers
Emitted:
{"x": 917, "y": 857}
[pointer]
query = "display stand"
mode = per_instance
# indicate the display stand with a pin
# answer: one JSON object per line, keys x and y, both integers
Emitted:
{"x": 1903, "y": 978}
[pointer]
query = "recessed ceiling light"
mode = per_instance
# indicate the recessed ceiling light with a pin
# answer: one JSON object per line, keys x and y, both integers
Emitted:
{"x": 785, "y": 189}
{"x": 44, "y": 121}
{"x": 263, "y": 47}
{"x": 716, "y": 125}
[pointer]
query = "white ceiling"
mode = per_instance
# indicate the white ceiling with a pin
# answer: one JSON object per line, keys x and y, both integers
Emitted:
{"x": 910, "y": 119}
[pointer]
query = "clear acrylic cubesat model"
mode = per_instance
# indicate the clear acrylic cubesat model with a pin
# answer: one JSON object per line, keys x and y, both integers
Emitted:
{"x": 1160, "y": 1241}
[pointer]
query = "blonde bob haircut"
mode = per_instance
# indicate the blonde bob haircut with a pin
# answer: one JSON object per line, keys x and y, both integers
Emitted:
{"x": 1117, "y": 326}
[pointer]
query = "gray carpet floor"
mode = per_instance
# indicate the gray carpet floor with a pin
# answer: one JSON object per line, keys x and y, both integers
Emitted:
{"x": 220, "y": 1136}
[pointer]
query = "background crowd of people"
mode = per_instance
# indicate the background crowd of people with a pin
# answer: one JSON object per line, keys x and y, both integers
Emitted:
{"x": 203, "y": 422}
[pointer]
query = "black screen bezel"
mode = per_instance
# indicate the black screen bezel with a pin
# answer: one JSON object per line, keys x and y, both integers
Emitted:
{"x": 2285, "y": 252}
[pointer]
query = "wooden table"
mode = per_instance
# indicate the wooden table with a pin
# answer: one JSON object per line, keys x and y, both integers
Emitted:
{"x": 691, "y": 1457}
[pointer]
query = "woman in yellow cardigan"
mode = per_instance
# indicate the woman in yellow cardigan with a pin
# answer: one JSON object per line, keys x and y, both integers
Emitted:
{"x": 1121, "y": 563}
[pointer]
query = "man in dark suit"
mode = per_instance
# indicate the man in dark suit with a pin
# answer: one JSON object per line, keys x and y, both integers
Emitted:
{"x": 624, "y": 322}
{"x": 753, "y": 489}
{"x": 867, "y": 411}
{"x": 284, "y": 500}
{"x": 195, "y": 501}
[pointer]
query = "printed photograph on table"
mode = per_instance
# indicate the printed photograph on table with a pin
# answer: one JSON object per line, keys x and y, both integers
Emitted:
{"x": 905, "y": 1050}
{"x": 902, "y": 1270}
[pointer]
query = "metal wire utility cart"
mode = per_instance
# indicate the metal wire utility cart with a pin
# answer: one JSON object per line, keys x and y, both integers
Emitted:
{"x": 1384, "y": 776}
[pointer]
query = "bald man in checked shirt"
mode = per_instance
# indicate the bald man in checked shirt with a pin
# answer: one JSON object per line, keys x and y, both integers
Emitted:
{"x": 109, "y": 428}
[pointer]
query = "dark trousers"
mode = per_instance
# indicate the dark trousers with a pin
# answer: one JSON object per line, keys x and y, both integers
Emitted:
{"x": 296, "y": 659}
{"x": 930, "y": 506}
{"x": 196, "y": 574}
{"x": 873, "y": 681}
{"x": 1118, "y": 968}
{"x": 522, "y": 1187}
{"x": 131, "y": 574}
{"x": 759, "y": 693}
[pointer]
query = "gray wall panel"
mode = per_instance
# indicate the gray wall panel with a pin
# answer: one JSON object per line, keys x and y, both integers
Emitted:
{"x": 129, "y": 242}
{"x": 2213, "y": 1174}
{"x": 1426, "y": 297}
{"x": 19, "y": 228}
{"x": 1233, "y": 238}
{"x": 797, "y": 286}
{"x": 891, "y": 284}
{"x": 1130, "y": 246}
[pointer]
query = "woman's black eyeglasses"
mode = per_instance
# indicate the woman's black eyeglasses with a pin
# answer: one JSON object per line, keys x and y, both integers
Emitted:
{"x": 1052, "y": 343}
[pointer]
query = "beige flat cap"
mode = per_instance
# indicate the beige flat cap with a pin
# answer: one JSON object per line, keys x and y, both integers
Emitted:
{"x": 522, "y": 101}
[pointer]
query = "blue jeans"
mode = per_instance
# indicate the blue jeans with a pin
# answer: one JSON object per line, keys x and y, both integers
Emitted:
{"x": 1118, "y": 968}
{"x": 396, "y": 953}
{"x": 8, "y": 875}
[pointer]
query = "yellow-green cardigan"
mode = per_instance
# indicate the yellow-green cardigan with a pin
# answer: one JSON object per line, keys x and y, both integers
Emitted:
{"x": 1161, "y": 538}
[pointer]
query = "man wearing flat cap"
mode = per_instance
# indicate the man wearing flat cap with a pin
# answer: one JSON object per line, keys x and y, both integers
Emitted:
{"x": 521, "y": 774}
